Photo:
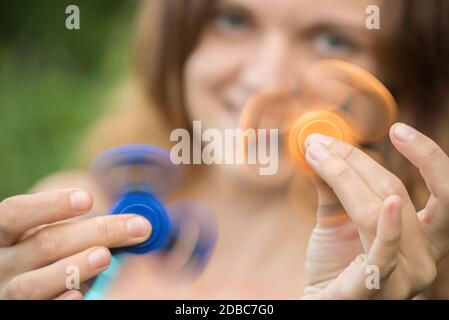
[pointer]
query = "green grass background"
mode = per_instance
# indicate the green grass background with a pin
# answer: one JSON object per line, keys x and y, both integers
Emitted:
{"x": 54, "y": 81}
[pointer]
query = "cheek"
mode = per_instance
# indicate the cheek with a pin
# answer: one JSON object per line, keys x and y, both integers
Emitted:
{"x": 367, "y": 61}
{"x": 210, "y": 72}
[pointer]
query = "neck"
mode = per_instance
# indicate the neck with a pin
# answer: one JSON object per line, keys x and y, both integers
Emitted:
{"x": 240, "y": 200}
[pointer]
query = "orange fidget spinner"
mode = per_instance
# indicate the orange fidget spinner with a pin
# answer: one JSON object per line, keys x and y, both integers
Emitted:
{"x": 336, "y": 99}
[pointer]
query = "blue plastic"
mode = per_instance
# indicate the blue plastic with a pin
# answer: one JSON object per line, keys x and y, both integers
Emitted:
{"x": 104, "y": 281}
{"x": 136, "y": 178}
{"x": 136, "y": 167}
{"x": 148, "y": 206}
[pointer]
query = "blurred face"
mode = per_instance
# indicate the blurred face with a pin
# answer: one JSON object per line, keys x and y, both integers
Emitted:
{"x": 253, "y": 45}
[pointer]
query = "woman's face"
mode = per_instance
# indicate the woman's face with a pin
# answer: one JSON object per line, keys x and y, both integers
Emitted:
{"x": 253, "y": 45}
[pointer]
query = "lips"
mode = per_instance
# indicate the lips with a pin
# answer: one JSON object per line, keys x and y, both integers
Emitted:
{"x": 234, "y": 109}
{"x": 232, "y": 106}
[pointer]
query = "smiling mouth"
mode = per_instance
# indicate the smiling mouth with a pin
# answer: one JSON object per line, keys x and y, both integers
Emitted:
{"x": 234, "y": 110}
{"x": 233, "y": 106}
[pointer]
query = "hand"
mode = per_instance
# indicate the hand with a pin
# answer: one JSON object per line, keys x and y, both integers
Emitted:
{"x": 38, "y": 243}
{"x": 403, "y": 244}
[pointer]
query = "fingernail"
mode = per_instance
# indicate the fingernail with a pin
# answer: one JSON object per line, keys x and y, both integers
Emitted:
{"x": 80, "y": 200}
{"x": 318, "y": 152}
{"x": 99, "y": 258}
{"x": 404, "y": 133}
{"x": 71, "y": 295}
{"x": 138, "y": 227}
{"x": 316, "y": 137}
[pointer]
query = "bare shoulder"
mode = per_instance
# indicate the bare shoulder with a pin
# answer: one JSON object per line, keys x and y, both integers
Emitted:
{"x": 63, "y": 180}
{"x": 73, "y": 179}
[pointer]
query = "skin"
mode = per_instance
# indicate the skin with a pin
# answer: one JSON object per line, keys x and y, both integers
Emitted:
{"x": 263, "y": 240}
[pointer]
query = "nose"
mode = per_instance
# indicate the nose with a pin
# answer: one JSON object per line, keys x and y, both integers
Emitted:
{"x": 271, "y": 66}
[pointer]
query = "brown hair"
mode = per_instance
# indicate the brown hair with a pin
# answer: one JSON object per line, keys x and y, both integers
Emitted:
{"x": 153, "y": 103}
{"x": 414, "y": 55}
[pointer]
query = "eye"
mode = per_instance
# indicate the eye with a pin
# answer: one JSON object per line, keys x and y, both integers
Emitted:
{"x": 232, "y": 20}
{"x": 332, "y": 44}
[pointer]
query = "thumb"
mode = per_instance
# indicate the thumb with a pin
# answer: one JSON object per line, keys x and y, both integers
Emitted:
{"x": 334, "y": 242}
{"x": 330, "y": 212}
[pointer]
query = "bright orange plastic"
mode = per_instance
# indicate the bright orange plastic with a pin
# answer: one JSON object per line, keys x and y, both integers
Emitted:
{"x": 283, "y": 110}
{"x": 363, "y": 81}
{"x": 324, "y": 122}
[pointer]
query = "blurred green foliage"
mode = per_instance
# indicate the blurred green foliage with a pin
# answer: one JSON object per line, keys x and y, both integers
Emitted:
{"x": 53, "y": 81}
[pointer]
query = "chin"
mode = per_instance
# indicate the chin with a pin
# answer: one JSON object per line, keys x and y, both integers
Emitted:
{"x": 248, "y": 176}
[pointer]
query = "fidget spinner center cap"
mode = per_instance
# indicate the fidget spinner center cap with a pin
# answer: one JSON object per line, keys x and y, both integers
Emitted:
{"x": 324, "y": 122}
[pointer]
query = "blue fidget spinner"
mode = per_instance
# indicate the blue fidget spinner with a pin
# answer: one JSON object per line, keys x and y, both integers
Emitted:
{"x": 139, "y": 178}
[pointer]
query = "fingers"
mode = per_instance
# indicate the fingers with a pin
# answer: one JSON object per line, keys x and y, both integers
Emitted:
{"x": 426, "y": 155}
{"x": 383, "y": 256}
{"x": 330, "y": 212}
{"x": 433, "y": 164}
{"x": 21, "y": 213}
{"x": 61, "y": 240}
{"x": 50, "y": 281}
{"x": 367, "y": 275}
{"x": 384, "y": 252}
{"x": 70, "y": 295}
{"x": 361, "y": 204}
{"x": 381, "y": 181}
{"x": 382, "y": 184}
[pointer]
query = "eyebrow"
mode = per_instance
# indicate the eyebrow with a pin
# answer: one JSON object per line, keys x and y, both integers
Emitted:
{"x": 236, "y": 6}
{"x": 229, "y": 2}
{"x": 232, "y": 4}
{"x": 331, "y": 26}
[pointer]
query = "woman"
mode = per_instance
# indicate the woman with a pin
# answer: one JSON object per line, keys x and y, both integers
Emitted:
{"x": 201, "y": 60}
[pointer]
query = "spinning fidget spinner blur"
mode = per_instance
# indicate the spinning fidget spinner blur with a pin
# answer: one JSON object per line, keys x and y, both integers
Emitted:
{"x": 337, "y": 99}
{"x": 139, "y": 178}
